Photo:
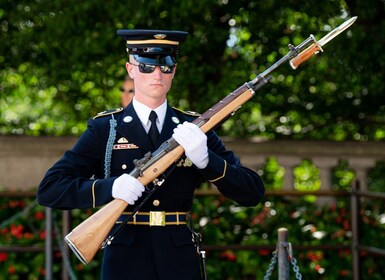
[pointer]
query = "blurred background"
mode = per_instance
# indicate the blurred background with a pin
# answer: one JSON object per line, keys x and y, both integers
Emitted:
{"x": 320, "y": 127}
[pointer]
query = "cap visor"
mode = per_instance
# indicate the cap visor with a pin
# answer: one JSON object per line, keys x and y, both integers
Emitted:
{"x": 156, "y": 60}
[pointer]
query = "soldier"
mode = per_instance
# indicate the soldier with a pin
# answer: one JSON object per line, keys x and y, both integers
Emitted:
{"x": 147, "y": 248}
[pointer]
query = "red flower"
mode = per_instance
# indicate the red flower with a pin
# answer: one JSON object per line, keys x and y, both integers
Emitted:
{"x": 333, "y": 207}
{"x": 3, "y": 257}
{"x": 228, "y": 255}
{"x": 314, "y": 256}
{"x": 260, "y": 217}
{"x": 264, "y": 252}
{"x": 58, "y": 254}
{"x": 13, "y": 204}
{"x": 39, "y": 215}
{"x": 232, "y": 258}
{"x": 43, "y": 234}
{"x": 17, "y": 230}
{"x": 42, "y": 271}
{"x": 346, "y": 225}
{"x": 16, "y": 203}
{"x": 11, "y": 269}
{"x": 28, "y": 235}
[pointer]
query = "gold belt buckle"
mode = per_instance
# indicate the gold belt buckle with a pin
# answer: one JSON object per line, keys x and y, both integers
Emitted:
{"x": 157, "y": 218}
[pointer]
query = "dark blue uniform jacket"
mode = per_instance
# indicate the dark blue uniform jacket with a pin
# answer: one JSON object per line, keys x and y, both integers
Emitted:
{"x": 143, "y": 252}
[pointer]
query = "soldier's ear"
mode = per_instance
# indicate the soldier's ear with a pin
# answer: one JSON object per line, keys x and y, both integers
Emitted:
{"x": 129, "y": 68}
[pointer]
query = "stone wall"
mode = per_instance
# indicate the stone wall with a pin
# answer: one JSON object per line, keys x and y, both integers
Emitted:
{"x": 24, "y": 160}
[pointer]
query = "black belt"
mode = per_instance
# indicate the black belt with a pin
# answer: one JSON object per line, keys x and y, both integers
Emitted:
{"x": 155, "y": 218}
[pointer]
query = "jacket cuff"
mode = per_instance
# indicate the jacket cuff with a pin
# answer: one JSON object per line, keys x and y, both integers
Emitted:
{"x": 216, "y": 168}
{"x": 101, "y": 191}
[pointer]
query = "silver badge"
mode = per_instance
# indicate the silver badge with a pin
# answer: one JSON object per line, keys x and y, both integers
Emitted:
{"x": 175, "y": 120}
{"x": 127, "y": 119}
{"x": 123, "y": 140}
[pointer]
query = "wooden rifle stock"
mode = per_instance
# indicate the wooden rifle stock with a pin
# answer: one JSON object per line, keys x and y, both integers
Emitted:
{"x": 86, "y": 238}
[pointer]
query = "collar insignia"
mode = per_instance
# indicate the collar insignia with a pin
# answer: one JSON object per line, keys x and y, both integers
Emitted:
{"x": 127, "y": 119}
{"x": 175, "y": 120}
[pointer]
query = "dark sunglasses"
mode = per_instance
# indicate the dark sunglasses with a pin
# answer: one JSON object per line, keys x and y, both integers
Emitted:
{"x": 147, "y": 68}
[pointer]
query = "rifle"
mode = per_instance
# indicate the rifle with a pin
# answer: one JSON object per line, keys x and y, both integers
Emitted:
{"x": 89, "y": 236}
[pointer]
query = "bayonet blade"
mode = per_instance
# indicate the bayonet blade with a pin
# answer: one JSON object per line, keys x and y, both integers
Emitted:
{"x": 332, "y": 34}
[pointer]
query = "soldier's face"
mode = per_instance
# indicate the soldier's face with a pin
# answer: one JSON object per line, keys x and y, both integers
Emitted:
{"x": 150, "y": 86}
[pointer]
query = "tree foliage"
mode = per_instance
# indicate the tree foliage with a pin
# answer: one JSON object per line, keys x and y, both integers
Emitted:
{"x": 61, "y": 62}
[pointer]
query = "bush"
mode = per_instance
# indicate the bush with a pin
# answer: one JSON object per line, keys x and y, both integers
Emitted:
{"x": 221, "y": 223}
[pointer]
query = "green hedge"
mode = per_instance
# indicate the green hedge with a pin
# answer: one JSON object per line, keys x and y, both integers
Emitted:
{"x": 221, "y": 222}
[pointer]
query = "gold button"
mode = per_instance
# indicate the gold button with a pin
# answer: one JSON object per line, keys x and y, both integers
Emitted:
{"x": 124, "y": 167}
{"x": 156, "y": 202}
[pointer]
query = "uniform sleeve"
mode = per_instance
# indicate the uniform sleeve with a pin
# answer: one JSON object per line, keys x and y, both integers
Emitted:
{"x": 232, "y": 179}
{"x": 68, "y": 184}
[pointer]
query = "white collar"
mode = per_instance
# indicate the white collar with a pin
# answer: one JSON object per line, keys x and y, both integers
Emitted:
{"x": 144, "y": 111}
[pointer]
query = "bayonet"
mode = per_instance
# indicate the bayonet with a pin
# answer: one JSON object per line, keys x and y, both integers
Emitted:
{"x": 316, "y": 47}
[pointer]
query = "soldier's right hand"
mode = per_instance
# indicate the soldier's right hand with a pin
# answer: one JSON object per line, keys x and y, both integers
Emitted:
{"x": 127, "y": 188}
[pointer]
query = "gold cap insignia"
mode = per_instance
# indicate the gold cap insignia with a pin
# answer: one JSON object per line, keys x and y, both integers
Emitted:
{"x": 160, "y": 36}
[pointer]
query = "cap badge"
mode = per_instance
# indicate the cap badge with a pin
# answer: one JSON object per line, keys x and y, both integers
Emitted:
{"x": 160, "y": 36}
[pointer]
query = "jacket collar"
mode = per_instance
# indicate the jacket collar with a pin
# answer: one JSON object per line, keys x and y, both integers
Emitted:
{"x": 130, "y": 127}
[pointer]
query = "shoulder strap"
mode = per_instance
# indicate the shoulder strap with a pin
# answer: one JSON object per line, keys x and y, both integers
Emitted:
{"x": 189, "y": 113}
{"x": 108, "y": 112}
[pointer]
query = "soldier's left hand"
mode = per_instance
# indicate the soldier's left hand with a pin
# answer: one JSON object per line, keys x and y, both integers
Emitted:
{"x": 194, "y": 143}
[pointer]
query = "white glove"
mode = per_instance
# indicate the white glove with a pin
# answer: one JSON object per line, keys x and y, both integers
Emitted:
{"x": 127, "y": 188}
{"x": 194, "y": 143}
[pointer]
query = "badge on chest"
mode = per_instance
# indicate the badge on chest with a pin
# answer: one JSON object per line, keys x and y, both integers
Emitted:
{"x": 124, "y": 145}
